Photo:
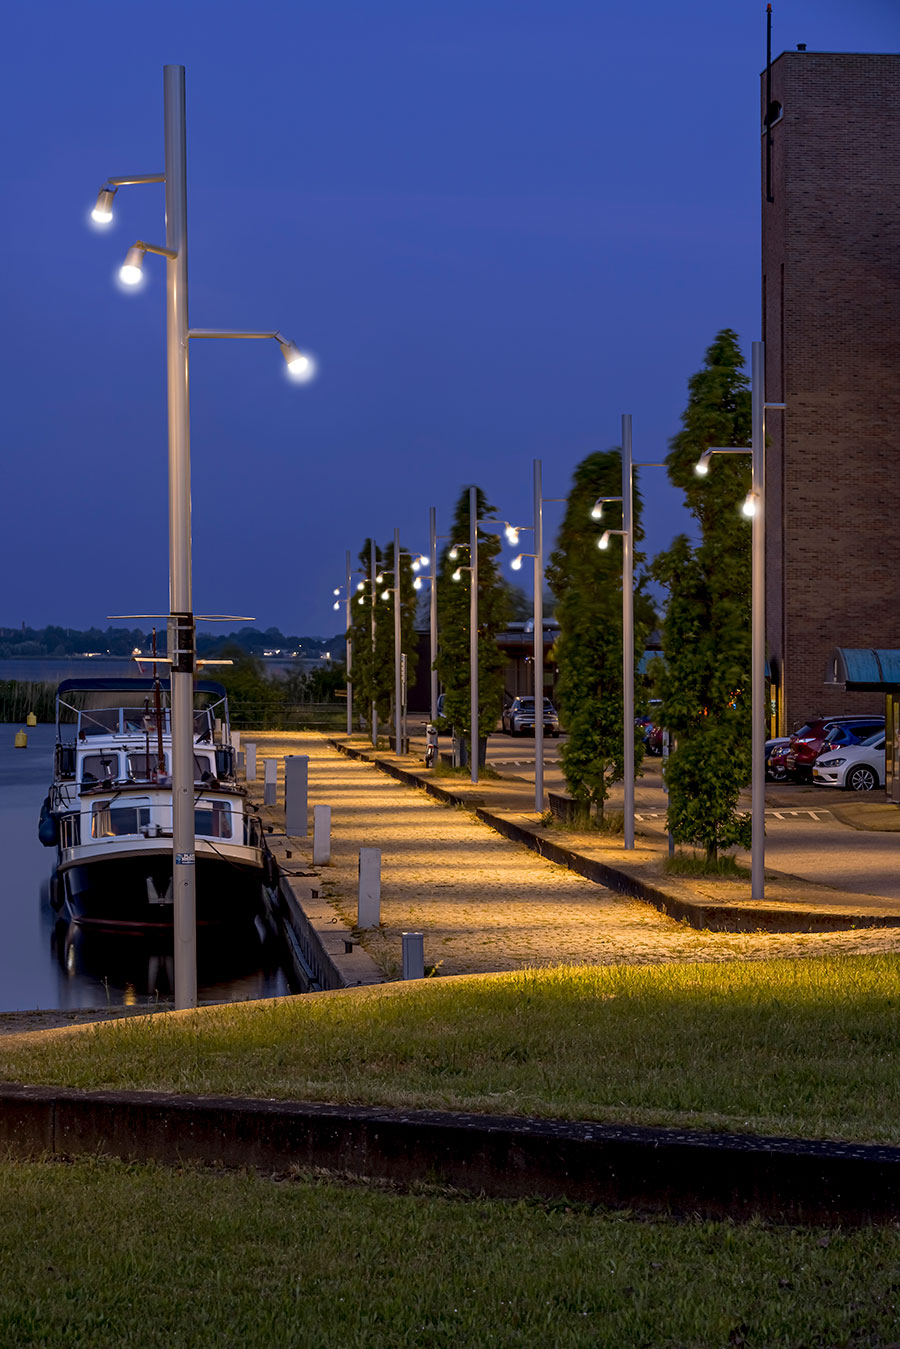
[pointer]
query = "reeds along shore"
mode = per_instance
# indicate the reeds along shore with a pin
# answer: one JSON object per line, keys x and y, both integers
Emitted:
{"x": 17, "y": 699}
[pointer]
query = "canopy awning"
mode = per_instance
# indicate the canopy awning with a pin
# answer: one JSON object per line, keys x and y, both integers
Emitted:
{"x": 863, "y": 669}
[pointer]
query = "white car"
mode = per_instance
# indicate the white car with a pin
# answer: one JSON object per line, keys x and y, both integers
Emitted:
{"x": 858, "y": 768}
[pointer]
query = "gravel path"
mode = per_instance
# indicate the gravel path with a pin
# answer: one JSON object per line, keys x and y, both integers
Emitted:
{"x": 486, "y": 904}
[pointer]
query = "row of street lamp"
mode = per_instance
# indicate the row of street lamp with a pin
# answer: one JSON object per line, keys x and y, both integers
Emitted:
{"x": 752, "y": 508}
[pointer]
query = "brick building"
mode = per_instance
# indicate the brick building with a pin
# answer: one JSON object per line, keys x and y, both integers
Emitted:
{"x": 831, "y": 324}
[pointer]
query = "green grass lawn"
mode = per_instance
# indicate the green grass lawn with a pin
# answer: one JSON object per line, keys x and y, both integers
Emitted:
{"x": 104, "y": 1254}
{"x": 791, "y": 1047}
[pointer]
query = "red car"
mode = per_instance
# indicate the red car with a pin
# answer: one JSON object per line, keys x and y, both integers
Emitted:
{"x": 795, "y": 759}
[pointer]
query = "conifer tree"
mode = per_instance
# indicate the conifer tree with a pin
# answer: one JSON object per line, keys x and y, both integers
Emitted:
{"x": 587, "y": 583}
{"x": 705, "y": 683}
{"x": 453, "y": 622}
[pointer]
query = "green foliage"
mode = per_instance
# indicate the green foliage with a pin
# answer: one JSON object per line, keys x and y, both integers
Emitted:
{"x": 706, "y": 636}
{"x": 17, "y": 699}
{"x": 494, "y": 607}
{"x": 373, "y": 644}
{"x": 252, "y": 698}
{"x": 587, "y": 583}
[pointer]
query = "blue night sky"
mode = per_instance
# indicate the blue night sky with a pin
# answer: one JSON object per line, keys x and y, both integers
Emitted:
{"x": 498, "y": 226}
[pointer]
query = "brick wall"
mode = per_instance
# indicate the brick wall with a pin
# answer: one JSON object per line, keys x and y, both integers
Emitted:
{"x": 831, "y": 324}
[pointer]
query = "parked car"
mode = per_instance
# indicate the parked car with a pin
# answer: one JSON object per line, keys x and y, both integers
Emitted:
{"x": 651, "y": 734}
{"x": 858, "y": 768}
{"x": 796, "y": 759}
{"x": 518, "y": 717}
{"x": 775, "y": 770}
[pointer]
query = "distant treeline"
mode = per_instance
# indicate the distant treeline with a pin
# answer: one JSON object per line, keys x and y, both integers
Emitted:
{"x": 57, "y": 642}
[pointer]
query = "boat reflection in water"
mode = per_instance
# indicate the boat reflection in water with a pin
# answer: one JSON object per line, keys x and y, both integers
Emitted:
{"x": 137, "y": 969}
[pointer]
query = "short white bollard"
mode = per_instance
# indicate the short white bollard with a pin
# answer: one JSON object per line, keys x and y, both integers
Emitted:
{"x": 368, "y": 904}
{"x": 321, "y": 836}
{"x": 251, "y": 763}
{"x": 296, "y": 795}
{"x": 270, "y": 791}
{"x": 235, "y": 741}
{"x": 413, "y": 955}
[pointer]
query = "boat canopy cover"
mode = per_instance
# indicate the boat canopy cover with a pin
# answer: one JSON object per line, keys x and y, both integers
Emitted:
{"x": 863, "y": 668}
{"x": 138, "y": 684}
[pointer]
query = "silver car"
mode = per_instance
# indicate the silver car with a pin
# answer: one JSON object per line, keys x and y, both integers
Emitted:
{"x": 518, "y": 717}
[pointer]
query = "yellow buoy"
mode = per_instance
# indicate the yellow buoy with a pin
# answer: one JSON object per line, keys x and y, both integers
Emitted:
{"x": 31, "y": 719}
{"x": 21, "y": 740}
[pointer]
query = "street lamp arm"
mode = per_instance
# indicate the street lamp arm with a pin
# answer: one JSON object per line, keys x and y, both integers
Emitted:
{"x": 134, "y": 180}
{"x": 233, "y": 332}
{"x": 155, "y": 248}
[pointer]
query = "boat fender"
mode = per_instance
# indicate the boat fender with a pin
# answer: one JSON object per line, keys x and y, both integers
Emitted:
{"x": 48, "y": 826}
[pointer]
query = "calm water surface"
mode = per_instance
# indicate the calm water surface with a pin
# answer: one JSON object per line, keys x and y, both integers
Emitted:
{"x": 48, "y": 963}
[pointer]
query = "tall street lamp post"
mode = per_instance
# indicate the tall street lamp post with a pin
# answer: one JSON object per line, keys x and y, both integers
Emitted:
{"x": 512, "y": 534}
{"x": 627, "y": 535}
{"x": 348, "y": 597}
{"x": 754, "y": 507}
{"x": 181, "y": 626}
{"x": 417, "y": 564}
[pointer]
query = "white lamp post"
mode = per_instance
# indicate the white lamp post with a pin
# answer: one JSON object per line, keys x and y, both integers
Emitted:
{"x": 626, "y": 533}
{"x": 754, "y": 508}
{"x": 348, "y": 640}
{"x": 181, "y": 618}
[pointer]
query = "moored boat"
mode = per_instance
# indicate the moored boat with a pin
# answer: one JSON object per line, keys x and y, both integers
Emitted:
{"x": 109, "y": 808}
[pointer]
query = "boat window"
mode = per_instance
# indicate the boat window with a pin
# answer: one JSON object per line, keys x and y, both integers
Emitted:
{"x": 203, "y": 724}
{"x": 114, "y": 820}
{"x": 212, "y": 819}
{"x": 99, "y": 767}
{"x": 142, "y": 720}
{"x": 101, "y": 721}
{"x": 203, "y": 764}
{"x": 142, "y": 767}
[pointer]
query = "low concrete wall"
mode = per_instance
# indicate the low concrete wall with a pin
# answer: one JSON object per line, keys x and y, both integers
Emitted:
{"x": 317, "y": 936}
{"x": 717, "y": 1175}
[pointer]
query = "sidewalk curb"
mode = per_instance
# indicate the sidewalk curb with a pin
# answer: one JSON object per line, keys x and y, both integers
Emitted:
{"x": 709, "y": 916}
{"x": 673, "y": 1170}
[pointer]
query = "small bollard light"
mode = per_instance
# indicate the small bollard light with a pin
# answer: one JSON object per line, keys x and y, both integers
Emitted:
{"x": 321, "y": 836}
{"x": 368, "y": 904}
{"x": 296, "y": 795}
{"x": 413, "y": 955}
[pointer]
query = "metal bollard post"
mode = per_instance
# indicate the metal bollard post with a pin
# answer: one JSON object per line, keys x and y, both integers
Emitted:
{"x": 251, "y": 763}
{"x": 296, "y": 795}
{"x": 413, "y": 955}
{"x": 368, "y": 905}
{"x": 235, "y": 741}
{"x": 270, "y": 792}
{"x": 321, "y": 836}
{"x": 240, "y": 761}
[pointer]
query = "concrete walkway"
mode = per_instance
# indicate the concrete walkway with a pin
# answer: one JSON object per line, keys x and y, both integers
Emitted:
{"x": 487, "y": 904}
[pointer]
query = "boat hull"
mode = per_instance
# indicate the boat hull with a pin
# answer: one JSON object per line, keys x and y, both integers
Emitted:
{"x": 135, "y": 893}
